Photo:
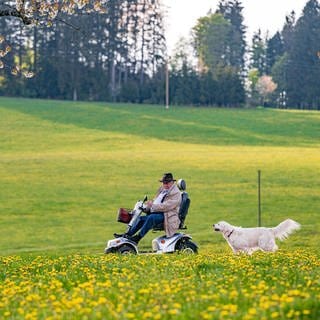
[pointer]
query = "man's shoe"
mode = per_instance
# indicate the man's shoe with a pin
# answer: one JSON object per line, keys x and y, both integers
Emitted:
{"x": 135, "y": 238}
{"x": 118, "y": 235}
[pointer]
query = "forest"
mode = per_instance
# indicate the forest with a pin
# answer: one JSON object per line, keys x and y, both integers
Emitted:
{"x": 116, "y": 51}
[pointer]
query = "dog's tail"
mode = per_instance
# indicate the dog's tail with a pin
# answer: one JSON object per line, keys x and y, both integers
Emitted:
{"x": 285, "y": 228}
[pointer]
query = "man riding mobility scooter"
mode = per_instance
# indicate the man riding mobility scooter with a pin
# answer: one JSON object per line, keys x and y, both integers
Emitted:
{"x": 180, "y": 242}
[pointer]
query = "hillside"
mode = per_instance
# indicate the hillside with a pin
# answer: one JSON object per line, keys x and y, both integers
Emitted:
{"x": 67, "y": 167}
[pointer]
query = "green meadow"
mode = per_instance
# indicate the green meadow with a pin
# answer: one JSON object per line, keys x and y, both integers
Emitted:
{"x": 66, "y": 168}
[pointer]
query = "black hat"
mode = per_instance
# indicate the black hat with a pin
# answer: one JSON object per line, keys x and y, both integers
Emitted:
{"x": 167, "y": 177}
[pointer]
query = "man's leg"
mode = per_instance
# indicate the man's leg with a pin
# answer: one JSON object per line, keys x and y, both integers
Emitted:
{"x": 152, "y": 220}
{"x": 149, "y": 222}
{"x": 137, "y": 226}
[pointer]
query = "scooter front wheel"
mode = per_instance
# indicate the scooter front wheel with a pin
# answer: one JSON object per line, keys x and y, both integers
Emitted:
{"x": 125, "y": 249}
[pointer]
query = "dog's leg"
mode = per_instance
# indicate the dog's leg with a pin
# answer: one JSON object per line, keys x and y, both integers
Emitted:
{"x": 268, "y": 244}
{"x": 235, "y": 251}
{"x": 247, "y": 251}
{"x": 275, "y": 248}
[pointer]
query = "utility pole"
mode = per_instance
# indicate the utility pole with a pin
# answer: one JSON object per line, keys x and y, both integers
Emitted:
{"x": 259, "y": 198}
{"x": 167, "y": 84}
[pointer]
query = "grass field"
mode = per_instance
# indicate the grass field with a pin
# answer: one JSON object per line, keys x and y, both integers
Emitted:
{"x": 67, "y": 167}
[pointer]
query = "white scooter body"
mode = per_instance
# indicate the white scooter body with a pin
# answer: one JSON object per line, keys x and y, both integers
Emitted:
{"x": 163, "y": 244}
{"x": 178, "y": 242}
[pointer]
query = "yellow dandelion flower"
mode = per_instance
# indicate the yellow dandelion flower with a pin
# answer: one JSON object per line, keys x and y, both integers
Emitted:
{"x": 252, "y": 311}
{"x": 233, "y": 294}
{"x": 206, "y": 316}
{"x": 290, "y": 314}
{"x": 21, "y": 311}
{"x": 224, "y": 313}
{"x": 147, "y": 315}
{"x": 173, "y": 312}
{"x": 143, "y": 291}
{"x": 102, "y": 300}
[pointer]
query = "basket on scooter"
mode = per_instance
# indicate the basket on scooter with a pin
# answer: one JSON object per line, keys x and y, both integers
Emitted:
{"x": 124, "y": 215}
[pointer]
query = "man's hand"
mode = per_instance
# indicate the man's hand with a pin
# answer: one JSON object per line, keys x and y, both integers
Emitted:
{"x": 148, "y": 206}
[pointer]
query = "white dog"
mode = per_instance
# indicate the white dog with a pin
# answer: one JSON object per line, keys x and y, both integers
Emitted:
{"x": 249, "y": 240}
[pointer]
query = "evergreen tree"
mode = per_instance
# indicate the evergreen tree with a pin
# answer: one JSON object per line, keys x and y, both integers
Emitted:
{"x": 232, "y": 12}
{"x": 274, "y": 50}
{"x": 303, "y": 67}
{"x": 258, "y": 53}
{"x": 288, "y": 30}
{"x": 90, "y": 56}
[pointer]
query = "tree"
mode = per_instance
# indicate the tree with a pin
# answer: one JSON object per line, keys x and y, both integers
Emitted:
{"x": 42, "y": 12}
{"x": 211, "y": 41}
{"x": 91, "y": 56}
{"x": 303, "y": 65}
{"x": 182, "y": 55}
{"x": 220, "y": 46}
{"x": 183, "y": 78}
{"x": 279, "y": 72}
{"x": 265, "y": 86}
{"x": 47, "y": 11}
{"x": 232, "y": 12}
{"x": 258, "y": 53}
{"x": 252, "y": 94}
{"x": 274, "y": 50}
{"x": 288, "y": 30}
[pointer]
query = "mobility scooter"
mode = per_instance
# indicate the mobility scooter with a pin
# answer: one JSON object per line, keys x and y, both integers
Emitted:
{"x": 179, "y": 242}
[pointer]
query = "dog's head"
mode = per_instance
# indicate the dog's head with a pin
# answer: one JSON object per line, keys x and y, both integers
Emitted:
{"x": 221, "y": 226}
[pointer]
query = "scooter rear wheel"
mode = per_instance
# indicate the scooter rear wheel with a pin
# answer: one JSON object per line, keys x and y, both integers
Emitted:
{"x": 187, "y": 247}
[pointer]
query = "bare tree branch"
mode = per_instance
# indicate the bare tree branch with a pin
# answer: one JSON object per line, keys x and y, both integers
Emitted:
{"x": 13, "y": 12}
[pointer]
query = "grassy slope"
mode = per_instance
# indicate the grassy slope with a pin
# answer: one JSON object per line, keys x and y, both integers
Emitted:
{"x": 66, "y": 167}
